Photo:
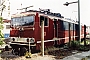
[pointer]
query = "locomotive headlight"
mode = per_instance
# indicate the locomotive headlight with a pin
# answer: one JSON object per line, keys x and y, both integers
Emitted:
{"x": 32, "y": 40}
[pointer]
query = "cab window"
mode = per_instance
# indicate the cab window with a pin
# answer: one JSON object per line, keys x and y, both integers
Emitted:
{"x": 45, "y": 20}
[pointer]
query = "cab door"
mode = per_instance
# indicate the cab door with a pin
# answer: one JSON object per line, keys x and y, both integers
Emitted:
{"x": 55, "y": 28}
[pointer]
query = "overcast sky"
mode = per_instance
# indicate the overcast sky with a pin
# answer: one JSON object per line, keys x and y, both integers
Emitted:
{"x": 70, "y": 11}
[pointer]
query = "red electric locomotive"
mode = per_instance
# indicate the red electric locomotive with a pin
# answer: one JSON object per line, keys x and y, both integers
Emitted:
{"x": 27, "y": 26}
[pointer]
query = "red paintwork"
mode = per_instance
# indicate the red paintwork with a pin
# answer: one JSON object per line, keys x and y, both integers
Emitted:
{"x": 50, "y": 32}
{"x": 82, "y": 32}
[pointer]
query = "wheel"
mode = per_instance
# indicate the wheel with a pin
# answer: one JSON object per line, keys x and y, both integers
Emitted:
{"x": 23, "y": 51}
{"x": 15, "y": 51}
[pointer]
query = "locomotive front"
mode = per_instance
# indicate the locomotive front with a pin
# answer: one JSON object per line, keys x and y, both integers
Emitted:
{"x": 22, "y": 32}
